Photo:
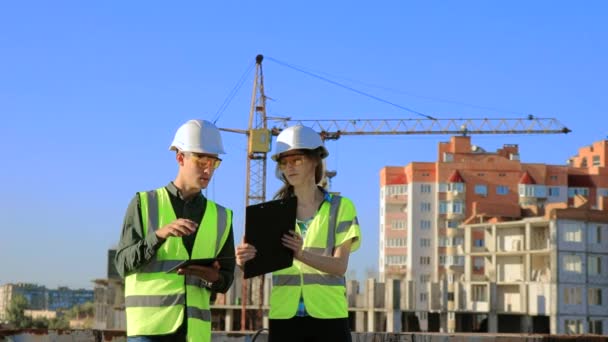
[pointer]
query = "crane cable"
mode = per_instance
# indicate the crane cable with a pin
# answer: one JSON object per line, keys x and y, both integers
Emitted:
{"x": 349, "y": 88}
{"x": 232, "y": 93}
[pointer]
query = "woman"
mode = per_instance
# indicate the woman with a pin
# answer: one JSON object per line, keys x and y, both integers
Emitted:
{"x": 308, "y": 300}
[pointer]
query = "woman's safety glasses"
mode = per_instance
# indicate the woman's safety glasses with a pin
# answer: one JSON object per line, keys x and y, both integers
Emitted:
{"x": 293, "y": 160}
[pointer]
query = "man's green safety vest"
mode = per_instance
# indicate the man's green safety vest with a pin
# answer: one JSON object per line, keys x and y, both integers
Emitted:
{"x": 156, "y": 301}
{"x": 324, "y": 294}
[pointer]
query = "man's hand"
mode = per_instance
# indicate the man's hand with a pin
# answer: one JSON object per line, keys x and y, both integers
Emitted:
{"x": 179, "y": 227}
{"x": 209, "y": 273}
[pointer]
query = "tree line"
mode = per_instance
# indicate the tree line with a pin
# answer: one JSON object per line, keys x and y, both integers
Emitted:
{"x": 17, "y": 318}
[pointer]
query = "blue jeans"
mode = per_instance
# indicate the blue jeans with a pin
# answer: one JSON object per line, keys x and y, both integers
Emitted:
{"x": 162, "y": 338}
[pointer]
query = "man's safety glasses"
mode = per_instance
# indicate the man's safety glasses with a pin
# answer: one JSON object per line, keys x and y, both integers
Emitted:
{"x": 204, "y": 160}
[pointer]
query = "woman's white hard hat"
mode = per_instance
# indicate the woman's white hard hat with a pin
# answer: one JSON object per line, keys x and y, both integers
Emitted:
{"x": 298, "y": 137}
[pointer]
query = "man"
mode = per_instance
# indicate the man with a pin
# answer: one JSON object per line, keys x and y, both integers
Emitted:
{"x": 167, "y": 226}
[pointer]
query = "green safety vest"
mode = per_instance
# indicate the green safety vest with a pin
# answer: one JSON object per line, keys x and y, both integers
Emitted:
{"x": 155, "y": 301}
{"x": 324, "y": 294}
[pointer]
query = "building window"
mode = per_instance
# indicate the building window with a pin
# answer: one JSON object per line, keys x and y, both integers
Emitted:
{"x": 423, "y": 296}
{"x": 527, "y": 190}
{"x": 553, "y": 191}
{"x": 425, "y": 260}
{"x": 425, "y": 242}
{"x": 425, "y": 224}
{"x": 595, "y": 296}
{"x": 425, "y": 188}
{"x": 443, "y": 207}
{"x": 578, "y": 191}
{"x": 596, "y": 160}
{"x": 425, "y": 206}
{"x": 481, "y": 190}
{"x": 594, "y": 235}
{"x": 396, "y": 259}
{"x": 478, "y": 265}
{"x": 572, "y": 233}
{"x": 574, "y": 326}
{"x": 572, "y": 263}
{"x": 448, "y": 157}
{"x": 425, "y": 278}
{"x": 402, "y": 242}
{"x": 450, "y": 296}
{"x": 502, "y": 190}
{"x": 553, "y": 178}
{"x": 478, "y": 243}
{"x": 479, "y": 293}
{"x": 457, "y": 207}
{"x": 398, "y": 224}
{"x": 456, "y": 187}
{"x": 595, "y": 327}
{"x": 572, "y": 296}
{"x": 451, "y": 224}
{"x": 594, "y": 265}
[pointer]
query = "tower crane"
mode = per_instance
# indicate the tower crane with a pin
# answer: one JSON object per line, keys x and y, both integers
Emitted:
{"x": 259, "y": 137}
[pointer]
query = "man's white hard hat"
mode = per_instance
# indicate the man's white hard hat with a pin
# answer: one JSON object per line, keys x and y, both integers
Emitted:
{"x": 200, "y": 136}
{"x": 298, "y": 137}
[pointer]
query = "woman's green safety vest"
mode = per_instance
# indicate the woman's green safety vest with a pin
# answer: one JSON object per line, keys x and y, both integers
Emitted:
{"x": 157, "y": 302}
{"x": 324, "y": 294}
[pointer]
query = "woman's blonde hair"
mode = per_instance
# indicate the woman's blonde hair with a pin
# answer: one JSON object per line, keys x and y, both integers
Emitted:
{"x": 286, "y": 190}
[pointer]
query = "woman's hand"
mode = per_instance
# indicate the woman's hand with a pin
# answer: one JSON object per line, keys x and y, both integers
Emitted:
{"x": 294, "y": 242}
{"x": 244, "y": 252}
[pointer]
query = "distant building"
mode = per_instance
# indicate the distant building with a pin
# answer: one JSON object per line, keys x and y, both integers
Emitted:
{"x": 423, "y": 206}
{"x": 41, "y": 298}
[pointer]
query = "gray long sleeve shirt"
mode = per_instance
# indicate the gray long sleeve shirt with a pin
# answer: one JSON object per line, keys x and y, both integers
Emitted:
{"x": 135, "y": 250}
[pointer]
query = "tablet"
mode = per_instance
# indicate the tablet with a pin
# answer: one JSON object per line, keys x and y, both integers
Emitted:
{"x": 186, "y": 263}
{"x": 265, "y": 225}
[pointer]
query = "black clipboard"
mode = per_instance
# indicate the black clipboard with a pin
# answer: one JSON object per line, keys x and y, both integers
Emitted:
{"x": 265, "y": 225}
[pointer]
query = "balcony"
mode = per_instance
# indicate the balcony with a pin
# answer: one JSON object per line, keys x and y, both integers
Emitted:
{"x": 509, "y": 299}
{"x": 395, "y": 199}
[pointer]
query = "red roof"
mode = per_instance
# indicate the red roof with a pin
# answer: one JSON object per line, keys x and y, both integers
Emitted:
{"x": 455, "y": 177}
{"x": 400, "y": 178}
{"x": 526, "y": 179}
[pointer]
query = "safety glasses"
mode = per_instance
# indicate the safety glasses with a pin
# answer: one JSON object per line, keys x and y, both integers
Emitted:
{"x": 204, "y": 160}
{"x": 293, "y": 160}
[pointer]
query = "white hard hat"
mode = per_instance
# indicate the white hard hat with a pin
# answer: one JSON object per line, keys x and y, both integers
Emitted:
{"x": 299, "y": 138}
{"x": 200, "y": 136}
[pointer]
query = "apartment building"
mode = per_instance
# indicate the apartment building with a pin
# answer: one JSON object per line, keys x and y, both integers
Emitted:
{"x": 423, "y": 204}
{"x": 545, "y": 274}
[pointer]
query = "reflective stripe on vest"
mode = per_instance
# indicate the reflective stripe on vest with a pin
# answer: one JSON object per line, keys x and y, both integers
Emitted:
{"x": 324, "y": 294}
{"x": 157, "y": 302}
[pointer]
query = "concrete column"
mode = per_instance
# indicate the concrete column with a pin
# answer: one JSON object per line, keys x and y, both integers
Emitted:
{"x": 370, "y": 291}
{"x": 492, "y": 322}
{"x": 392, "y": 303}
{"x": 360, "y": 321}
{"x": 267, "y": 289}
{"x": 228, "y": 318}
{"x": 492, "y": 317}
{"x": 526, "y": 324}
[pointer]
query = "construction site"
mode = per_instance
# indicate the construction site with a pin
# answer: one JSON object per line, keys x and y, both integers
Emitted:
{"x": 476, "y": 245}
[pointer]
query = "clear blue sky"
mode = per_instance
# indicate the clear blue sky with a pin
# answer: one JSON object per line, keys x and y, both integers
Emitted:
{"x": 92, "y": 92}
